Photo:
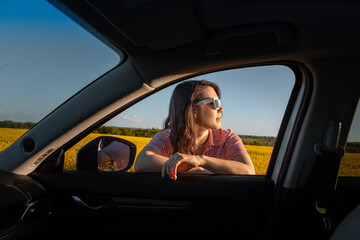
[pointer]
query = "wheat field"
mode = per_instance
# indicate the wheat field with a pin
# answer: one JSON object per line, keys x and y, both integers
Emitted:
{"x": 260, "y": 155}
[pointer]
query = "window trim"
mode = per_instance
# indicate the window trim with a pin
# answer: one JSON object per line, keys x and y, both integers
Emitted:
{"x": 291, "y": 124}
{"x": 300, "y": 74}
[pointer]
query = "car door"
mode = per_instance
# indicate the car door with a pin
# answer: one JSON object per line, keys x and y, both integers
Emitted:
{"x": 92, "y": 202}
{"x": 89, "y": 200}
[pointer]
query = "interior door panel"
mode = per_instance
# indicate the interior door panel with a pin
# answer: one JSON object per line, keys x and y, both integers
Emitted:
{"x": 24, "y": 205}
{"x": 147, "y": 201}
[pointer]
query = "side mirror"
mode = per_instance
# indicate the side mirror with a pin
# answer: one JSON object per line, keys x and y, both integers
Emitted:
{"x": 106, "y": 153}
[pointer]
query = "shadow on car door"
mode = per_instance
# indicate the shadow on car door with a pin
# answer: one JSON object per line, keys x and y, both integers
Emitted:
{"x": 95, "y": 202}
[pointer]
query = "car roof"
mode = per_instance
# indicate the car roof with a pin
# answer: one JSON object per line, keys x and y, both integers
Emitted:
{"x": 219, "y": 33}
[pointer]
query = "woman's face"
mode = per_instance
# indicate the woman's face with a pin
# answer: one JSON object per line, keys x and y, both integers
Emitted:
{"x": 206, "y": 115}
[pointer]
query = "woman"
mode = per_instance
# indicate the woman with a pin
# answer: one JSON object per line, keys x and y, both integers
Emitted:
{"x": 193, "y": 140}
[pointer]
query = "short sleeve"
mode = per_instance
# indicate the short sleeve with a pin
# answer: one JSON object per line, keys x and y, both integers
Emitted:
{"x": 161, "y": 142}
{"x": 234, "y": 146}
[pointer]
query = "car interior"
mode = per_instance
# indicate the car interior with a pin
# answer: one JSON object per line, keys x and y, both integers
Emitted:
{"x": 162, "y": 43}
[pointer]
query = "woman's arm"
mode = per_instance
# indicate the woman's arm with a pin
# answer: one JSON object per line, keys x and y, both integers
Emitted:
{"x": 149, "y": 160}
{"x": 240, "y": 164}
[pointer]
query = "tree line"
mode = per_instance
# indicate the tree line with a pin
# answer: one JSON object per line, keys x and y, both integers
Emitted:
{"x": 258, "y": 140}
{"x": 137, "y": 132}
{"x": 352, "y": 147}
{"x": 140, "y": 132}
{"x": 21, "y": 125}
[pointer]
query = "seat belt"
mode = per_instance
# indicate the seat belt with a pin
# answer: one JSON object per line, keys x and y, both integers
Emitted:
{"x": 330, "y": 155}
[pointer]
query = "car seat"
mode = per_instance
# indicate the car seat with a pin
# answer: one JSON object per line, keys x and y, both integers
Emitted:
{"x": 349, "y": 228}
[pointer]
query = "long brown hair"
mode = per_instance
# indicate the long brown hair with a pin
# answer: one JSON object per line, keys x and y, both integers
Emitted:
{"x": 181, "y": 117}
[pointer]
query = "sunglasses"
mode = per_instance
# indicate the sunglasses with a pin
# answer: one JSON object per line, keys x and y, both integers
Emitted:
{"x": 215, "y": 101}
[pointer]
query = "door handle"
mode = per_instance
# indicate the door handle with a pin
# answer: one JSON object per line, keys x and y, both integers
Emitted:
{"x": 79, "y": 201}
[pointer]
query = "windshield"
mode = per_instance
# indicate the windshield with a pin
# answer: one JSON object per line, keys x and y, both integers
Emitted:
{"x": 45, "y": 59}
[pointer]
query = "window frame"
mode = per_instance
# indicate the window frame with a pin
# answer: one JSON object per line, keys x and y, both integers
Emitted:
{"x": 289, "y": 130}
{"x": 300, "y": 95}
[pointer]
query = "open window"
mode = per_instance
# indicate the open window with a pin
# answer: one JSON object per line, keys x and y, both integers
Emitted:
{"x": 254, "y": 101}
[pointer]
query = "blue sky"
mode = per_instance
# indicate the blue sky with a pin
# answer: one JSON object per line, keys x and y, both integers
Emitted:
{"x": 46, "y": 58}
{"x": 254, "y": 100}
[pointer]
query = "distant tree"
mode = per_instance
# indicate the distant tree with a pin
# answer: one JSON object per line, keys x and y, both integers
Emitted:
{"x": 11, "y": 124}
{"x": 257, "y": 143}
{"x": 139, "y": 132}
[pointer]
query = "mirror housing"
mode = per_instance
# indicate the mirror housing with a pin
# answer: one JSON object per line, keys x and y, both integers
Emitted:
{"x": 99, "y": 154}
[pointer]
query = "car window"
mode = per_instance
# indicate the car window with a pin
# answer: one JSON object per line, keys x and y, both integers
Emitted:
{"x": 254, "y": 101}
{"x": 350, "y": 164}
{"x": 45, "y": 59}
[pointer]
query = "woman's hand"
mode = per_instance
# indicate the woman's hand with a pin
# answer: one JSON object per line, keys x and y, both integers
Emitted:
{"x": 179, "y": 162}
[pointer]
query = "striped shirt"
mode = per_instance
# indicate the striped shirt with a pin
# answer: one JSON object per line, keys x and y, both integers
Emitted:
{"x": 223, "y": 144}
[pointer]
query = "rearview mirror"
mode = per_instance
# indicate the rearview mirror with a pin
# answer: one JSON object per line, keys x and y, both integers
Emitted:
{"x": 106, "y": 153}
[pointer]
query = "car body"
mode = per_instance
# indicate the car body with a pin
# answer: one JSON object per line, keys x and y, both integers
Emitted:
{"x": 165, "y": 42}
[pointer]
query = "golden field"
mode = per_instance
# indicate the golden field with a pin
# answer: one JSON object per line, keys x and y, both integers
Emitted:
{"x": 260, "y": 155}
